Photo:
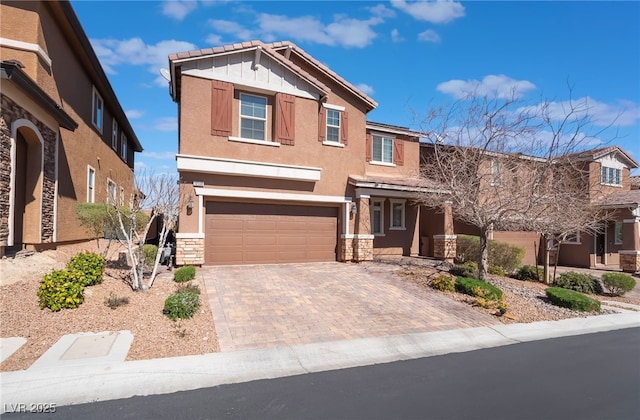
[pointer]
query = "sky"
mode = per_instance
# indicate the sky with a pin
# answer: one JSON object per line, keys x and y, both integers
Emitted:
{"x": 408, "y": 56}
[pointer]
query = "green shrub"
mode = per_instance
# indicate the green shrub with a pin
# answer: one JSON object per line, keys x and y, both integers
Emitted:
{"x": 188, "y": 287}
{"x": 617, "y": 283}
{"x": 443, "y": 283}
{"x": 181, "y": 305}
{"x": 150, "y": 251}
{"x": 529, "y": 272}
{"x": 90, "y": 264}
{"x": 572, "y": 299}
{"x": 502, "y": 254}
{"x": 186, "y": 273}
{"x": 478, "y": 288}
{"x": 462, "y": 270}
{"x": 61, "y": 289}
{"x": 583, "y": 283}
{"x": 496, "y": 270}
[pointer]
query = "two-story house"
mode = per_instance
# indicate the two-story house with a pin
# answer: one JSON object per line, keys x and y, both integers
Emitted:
{"x": 64, "y": 138}
{"x": 279, "y": 163}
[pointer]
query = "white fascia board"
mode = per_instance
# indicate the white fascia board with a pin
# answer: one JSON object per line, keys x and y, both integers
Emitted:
{"x": 389, "y": 190}
{"x": 26, "y": 46}
{"x": 262, "y": 195}
{"x": 211, "y": 165}
{"x": 258, "y": 87}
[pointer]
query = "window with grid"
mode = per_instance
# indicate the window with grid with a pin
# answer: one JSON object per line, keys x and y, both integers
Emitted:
{"x": 397, "y": 214}
{"x": 377, "y": 216}
{"x": 123, "y": 147}
{"x": 91, "y": 185}
{"x": 333, "y": 125}
{"x": 610, "y": 176}
{"x": 253, "y": 117}
{"x": 97, "y": 110}
{"x": 382, "y": 149}
{"x": 114, "y": 134}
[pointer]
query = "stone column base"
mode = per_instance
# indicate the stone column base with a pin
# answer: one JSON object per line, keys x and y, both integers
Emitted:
{"x": 362, "y": 248}
{"x": 346, "y": 248}
{"x": 630, "y": 261}
{"x": 444, "y": 247}
{"x": 189, "y": 249}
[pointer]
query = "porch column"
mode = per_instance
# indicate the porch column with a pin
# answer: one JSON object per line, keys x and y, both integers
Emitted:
{"x": 630, "y": 255}
{"x": 363, "y": 239}
{"x": 346, "y": 238}
{"x": 444, "y": 245}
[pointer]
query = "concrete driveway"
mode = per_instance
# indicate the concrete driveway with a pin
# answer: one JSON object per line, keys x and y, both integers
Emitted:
{"x": 262, "y": 306}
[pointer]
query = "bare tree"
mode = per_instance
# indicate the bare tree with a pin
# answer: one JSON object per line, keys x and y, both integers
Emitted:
{"x": 504, "y": 165}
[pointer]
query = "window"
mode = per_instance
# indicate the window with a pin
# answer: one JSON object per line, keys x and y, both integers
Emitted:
{"x": 97, "y": 110}
{"x": 123, "y": 147}
{"x": 114, "y": 134}
{"x": 572, "y": 238}
{"x": 111, "y": 192}
{"x": 121, "y": 196}
{"x": 610, "y": 176}
{"x": 617, "y": 233}
{"x": 377, "y": 216}
{"x": 253, "y": 117}
{"x": 333, "y": 125}
{"x": 91, "y": 185}
{"x": 382, "y": 149}
{"x": 397, "y": 214}
{"x": 495, "y": 172}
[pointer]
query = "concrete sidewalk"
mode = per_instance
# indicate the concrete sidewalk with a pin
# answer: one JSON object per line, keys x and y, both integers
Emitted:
{"x": 107, "y": 380}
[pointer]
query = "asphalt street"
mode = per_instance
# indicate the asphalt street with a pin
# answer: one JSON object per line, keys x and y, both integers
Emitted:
{"x": 592, "y": 376}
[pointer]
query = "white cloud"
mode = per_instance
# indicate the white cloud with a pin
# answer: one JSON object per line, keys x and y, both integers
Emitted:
{"x": 395, "y": 36}
{"x": 159, "y": 155}
{"x": 429, "y": 36}
{"x": 213, "y": 40}
{"x": 134, "y": 51}
{"x": 382, "y": 11}
{"x": 133, "y": 114}
{"x": 499, "y": 86}
{"x": 178, "y": 9}
{"x": 441, "y": 11}
{"x": 365, "y": 88}
{"x": 623, "y": 113}
{"x": 231, "y": 27}
{"x": 166, "y": 124}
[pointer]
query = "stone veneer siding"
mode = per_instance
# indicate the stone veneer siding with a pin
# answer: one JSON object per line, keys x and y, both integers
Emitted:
{"x": 189, "y": 251}
{"x": 444, "y": 247}
{"x": 10, "y": 113}
{"x": 362, "y": 249}
{"x": 630, "y": 261}
{"x": 346, "y": 249}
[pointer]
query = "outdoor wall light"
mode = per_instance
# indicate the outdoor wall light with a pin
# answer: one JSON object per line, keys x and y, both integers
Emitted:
{"x": 354, "y": 209}
{"x": 190, "y": 203}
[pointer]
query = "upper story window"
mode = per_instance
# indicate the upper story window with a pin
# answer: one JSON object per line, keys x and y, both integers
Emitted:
{"x": 253, "y": 117}
{"x": 114, "y": 134}
{"x": 333, "y": 125}
{"x": 123, "y": 147}
{"x": 610, "y": 176}
{"x": 97, "y": 110}
{"x": 91, "y": 185}
{"x": 377, "y": 216}
{"x": 382, "y": 149}
{"x": 111, "y": 192}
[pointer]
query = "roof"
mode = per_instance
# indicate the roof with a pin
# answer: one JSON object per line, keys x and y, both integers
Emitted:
{"x": 413, "y": 184}
{"x": 12, "y": 70}
{"x": 593, "y": 154}
{"x": 635, "y": 182}
{"x": 396, "y": 129}
{"x": 75, "y": 35}
{"x": 622, "y": 198}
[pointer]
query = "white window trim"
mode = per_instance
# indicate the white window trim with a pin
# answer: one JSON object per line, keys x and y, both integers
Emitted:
{"x": 615, "y": 236}
{"x": 610, "y": 184}
{"x": 266, "y": 118}
{"x": 124, "y": 147}
{"x": 115, "y": 191}
{"x": 334, "y": 107}
{"x": 96, "y": 95}
{"x": 576, "y": 242}
{"x": 252, "y": 141}
{"x": 114, "y": 134}
{"x": 404, "y": 212}
{"x": 332, "y": 143}
{"x": 381, "y": 162}
{"x": 375, "y": 162}
{"x": 381, "y": 201}
{"x": 91, "y": 192}
{"x": 339, "y": 127}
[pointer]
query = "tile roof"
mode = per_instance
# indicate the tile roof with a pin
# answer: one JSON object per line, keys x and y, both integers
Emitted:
{"x": 594, "y": 154}
{"x": 622, "y": 198}
{"x": 635, "y": 182}
{"x": 411, "y": 183}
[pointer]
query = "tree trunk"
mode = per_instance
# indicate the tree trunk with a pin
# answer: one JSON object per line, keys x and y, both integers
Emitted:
{"x": 547, "y": 258}
{"x": 555, "y": 263}
{"x": 162, "y": 239}
{"x": 484, "y": 253}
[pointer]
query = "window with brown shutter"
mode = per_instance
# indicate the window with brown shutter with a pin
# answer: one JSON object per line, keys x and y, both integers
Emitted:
{"x": 368, "y": 148}
{"x": 221, "y": 108}
{"x": 285, "y": 119}
{"x": 345, "y": 127}
{"x": 322, "y": 124}
{"x": 398, "y": 152}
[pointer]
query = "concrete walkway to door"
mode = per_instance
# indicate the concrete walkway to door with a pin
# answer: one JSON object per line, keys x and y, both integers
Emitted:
{"x": 263, "y": 306}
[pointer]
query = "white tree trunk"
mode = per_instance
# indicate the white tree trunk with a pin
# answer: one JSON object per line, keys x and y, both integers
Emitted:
{"x": 484, "y": 253}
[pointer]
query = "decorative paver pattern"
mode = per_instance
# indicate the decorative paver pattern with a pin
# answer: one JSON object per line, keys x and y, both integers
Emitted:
{"x": 262, "y": 306}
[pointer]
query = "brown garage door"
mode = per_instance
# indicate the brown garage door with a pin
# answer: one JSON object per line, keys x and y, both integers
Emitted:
{"x": 242, "y": 233}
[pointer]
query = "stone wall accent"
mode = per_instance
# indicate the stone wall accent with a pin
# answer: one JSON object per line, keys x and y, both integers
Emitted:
{"x": 10, "y": 113}
{"x": 363, "y": 248}
{"x": 444, "y": 247}
{"x": 5, "y": 178}
{"x": 189, "y": 251}
{"x": 346, "y": 248}
{"x": 630, "y": 261}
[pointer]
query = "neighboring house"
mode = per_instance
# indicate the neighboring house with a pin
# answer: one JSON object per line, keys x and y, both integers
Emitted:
{"x": 64, "y": 138}
{"x": 280, "y": 165}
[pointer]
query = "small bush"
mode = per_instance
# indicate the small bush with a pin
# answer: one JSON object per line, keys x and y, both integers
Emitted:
{"x": 150, "y": 251}
{"x": 61, "y": 289}
{"x": 478, "y": 288}
{"x": 462, "y": 270}
{"x": 572, "y": 299}
{"x": 617, "y": 283}
{"x": 505, "y": 255}
{"x": 186, "y": 273}
{"x": 496, "y": 270}
{"x": 90, "y": 264}
{"x": 583, "y": 283}
{"x": 443, "y": 283}
{"x": 181, "y": 305}
{"x": 113, "y": 301}
{"x": 188, "y": 287}
{"x": 529, "y": 272}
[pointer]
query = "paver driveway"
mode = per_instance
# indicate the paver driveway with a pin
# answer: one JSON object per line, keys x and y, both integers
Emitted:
{"x": 261, "y": 306}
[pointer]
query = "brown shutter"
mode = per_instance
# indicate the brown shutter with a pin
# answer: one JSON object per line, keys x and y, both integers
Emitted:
{"x": 322, "y": 124}
{"x": 344, "y": 127}
{"x": 285, "y": 119}
{"x": 398, "y": 152}
{"x": 221, "y": 108}
{"x": 368, "y": 145}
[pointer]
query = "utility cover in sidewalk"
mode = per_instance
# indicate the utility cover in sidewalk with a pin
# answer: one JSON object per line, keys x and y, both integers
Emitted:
{"x": 98, "y": 345}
